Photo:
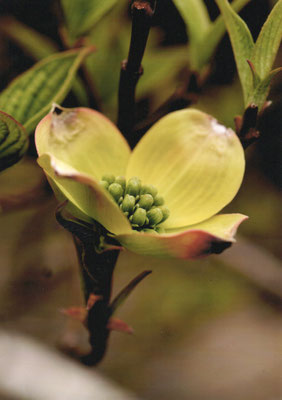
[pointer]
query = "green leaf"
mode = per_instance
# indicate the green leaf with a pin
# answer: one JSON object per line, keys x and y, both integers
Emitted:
{"x": 38, "y": 47}
{"x": 255, "y": 78}
{"x": 260, "y": 92}
{"x": 13, "y": 141}
{"x": 30, "y": 96}
{"x": 36, "y": 44}
{"x": 268, "y": 42}
{"x": 82, "y": 15}
{"x": 242, "y": 44}
{"x": 196, "y": 17}
{"x": 161, "y": 65}
{"x": 212, "y": 38}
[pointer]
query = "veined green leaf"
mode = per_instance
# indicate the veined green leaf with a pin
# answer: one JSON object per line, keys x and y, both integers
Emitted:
{"x": 268, "y": 42}
{"x": 242, "y": 44}
{"x": 13, "y": 141}
{"x": 39, "y": 47}
{"x": 82, "y": 15}
{"x": 196, "y": 17}
{"x": 212, "y": 37}
{"x": 30, "y": 96}
{"x": 260, "y": 92}
{"x": 36, "y": 44}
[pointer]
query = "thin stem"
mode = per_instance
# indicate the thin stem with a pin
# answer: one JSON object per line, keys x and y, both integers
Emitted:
{"x": 131, "y": 69}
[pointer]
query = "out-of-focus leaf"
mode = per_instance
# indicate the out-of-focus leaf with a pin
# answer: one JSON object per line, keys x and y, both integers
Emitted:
{"x": 268, "y": 42}
{"x": 82, "y": 15}
{"x": 195, "y": 16}
{"x": 211, "y": 39}
{"x": 38, "y": 47}
{"x": 112, "y": 47}
{"x": 123, "y": 295}
{"x": 36, "y": 44}
{"x": 13, "y": 141}
{"x": 29, "y": 97}
{"x": 242, "y": 44}
{"x": 159, "y": 66}
{"x": 222, "y": 102}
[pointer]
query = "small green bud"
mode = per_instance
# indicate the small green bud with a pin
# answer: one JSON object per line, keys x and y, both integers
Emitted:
{"x": 105, "y": 184}
{"x": 109, "y": 178}
{"x": 165, "y": 211}
{"x": 139, "y": 217}
{"x": 155, "y": 216}
{"x": 116, "y": 190}
{"x": 128, "y": 203}
{"x": 133, "y": 186}
{"x": 149, "y": 189}
{"x": 121, "y": 180}
{"x": 148, "y": 230}
{"x": 146, "y": 201}
{"x": 159, "y": 229}
{"x": 159, "y": 200}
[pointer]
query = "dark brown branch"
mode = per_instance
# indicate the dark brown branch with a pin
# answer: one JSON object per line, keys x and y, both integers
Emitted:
{"x": 246, "y": 126}
{"x": 131, "y": 69}
{"x": 96, "y": 272}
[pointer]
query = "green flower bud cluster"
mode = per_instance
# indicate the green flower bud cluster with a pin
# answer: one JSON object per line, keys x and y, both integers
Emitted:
{"x": 142, "y": 204}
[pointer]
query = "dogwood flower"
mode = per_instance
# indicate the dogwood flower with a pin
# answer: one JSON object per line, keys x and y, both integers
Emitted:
{"x": 160, "y": 199}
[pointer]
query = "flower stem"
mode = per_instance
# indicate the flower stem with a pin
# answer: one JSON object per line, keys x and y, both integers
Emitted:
{"x": 96, "y": 276}
{"x": 97, "y": 271}
{"x": 131, "y": 69}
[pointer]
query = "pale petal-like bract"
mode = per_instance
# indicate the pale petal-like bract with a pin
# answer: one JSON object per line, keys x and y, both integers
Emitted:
{"x": 196, "y": 164}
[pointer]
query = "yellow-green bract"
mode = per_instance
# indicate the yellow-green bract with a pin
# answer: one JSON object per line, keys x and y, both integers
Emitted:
{"x": 196, "y": 164}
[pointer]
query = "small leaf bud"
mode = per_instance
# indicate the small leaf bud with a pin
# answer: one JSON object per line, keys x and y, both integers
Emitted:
{"x": 159, "y": 229}
{"x": 148, "y": 230}
{"x": 121, "y": 181}
{"x": 146, "y": 201}
{"x": 109, "y": 178}
{"x": 165, "y": 211}
{"x": 149, "y": 189}
{"x": 128, "y": 203}
{"x": 116, "y": 190}
{"x": 159, "y": 200}
{"x": 155, "y": 216}
{"x": 139, "y": 217}
{"x": 105, "y": 184}
{"x": 133, "y": 186}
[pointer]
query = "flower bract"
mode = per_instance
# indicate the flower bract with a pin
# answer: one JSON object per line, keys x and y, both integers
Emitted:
{"x": 160, "y": 199}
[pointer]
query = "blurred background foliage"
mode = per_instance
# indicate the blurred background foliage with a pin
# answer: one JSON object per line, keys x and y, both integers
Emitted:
{"x": 208, "y": 329}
